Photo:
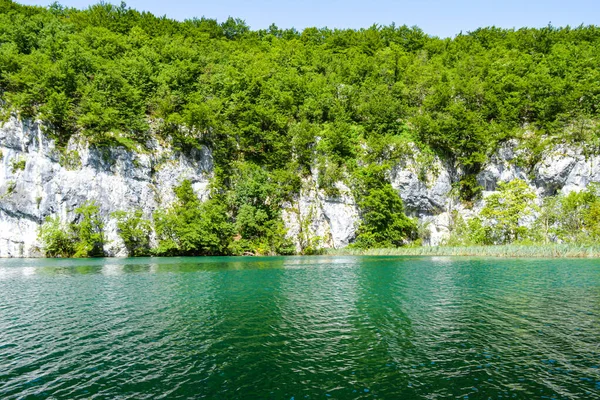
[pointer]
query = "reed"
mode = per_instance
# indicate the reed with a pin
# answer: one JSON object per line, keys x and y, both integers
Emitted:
{"x": 512, "y": 250}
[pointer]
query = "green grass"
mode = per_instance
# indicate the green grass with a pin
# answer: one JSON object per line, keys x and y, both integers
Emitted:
{"x": 524, "y": 251}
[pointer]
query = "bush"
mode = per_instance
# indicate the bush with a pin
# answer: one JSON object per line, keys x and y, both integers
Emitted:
{"x": 88, "y": 231}
{"x": 57, "y": 240}
{"x": 134, "y": 230}
{"x": 17, "y": 165}
{"x": 192, "y": 228}
{"x": 84, "y": 238}
{"x": 255, "y": 201}
{"x": 505, "y": 212}
{"x": 571, "y": 218}
{"x": 383, "y": 222}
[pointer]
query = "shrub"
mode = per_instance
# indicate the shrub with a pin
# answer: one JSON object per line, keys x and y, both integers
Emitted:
{"x": 17, "y": 165}
{"x": 57, "y": 240}
{"x": 383, "y": 223}
{"x": 505, "y": 211}
{"x": 10, "y": 188}
{"x": 84, "y": 238}
{"x": 191, "y": 227}
{"x": 89, "y": 231}
{"x": 135, "y": 232}
{"x": 572, "y": 218}
{"x": 255, "y": 205}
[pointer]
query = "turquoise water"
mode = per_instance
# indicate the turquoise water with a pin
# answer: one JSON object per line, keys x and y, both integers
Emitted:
{"x": 300, "y": 328}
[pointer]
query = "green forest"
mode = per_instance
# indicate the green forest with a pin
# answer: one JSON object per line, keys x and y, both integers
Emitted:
{"x": 274, "y": 105}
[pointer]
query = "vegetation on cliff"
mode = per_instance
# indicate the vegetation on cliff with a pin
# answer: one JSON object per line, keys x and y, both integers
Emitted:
{"x": 273, "y": 104}
{"x": 83, "y": 238}
{"x": 511, "y": 215}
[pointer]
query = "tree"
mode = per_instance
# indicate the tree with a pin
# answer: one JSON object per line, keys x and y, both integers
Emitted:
{"x": 56, "y": 240}
{"x": 550, "y": 215}
{"x": 286, "y": 103}
{"x": 88, "y": 231}
{"x": 134, "y": 230}
{"x": 383, "y": 222}
{"x": 506, "y": 211}
{"x": 191, "y": 227}
{"x": 234, "y": 28}
{"x": 82, "y": 238}
{"x": 574, "y": 217}
{"x": 255, "y": 201}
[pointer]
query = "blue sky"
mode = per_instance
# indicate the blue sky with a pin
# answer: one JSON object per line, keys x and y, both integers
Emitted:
{"x": 435, "y": 17}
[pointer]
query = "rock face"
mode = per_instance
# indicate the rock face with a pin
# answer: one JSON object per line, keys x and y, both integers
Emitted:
{"x": 330, "y": 222}
{"x": 502, "y": 167}
{"x": 427, "y": 189}
{"x": 566, "y": 169}
{"x": 37, "y": 181}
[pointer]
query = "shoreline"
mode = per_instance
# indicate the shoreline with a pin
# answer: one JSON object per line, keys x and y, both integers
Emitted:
{"x": 499, "y": 251}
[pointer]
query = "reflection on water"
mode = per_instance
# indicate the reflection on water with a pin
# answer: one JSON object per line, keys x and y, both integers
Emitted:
{"x": 300, "y": 327}
{"x": 111, "y": 266}
{"x": 13, "y": 267}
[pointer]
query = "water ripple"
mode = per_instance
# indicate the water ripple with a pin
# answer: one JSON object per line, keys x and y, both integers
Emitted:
{"x": 312, "y": 327}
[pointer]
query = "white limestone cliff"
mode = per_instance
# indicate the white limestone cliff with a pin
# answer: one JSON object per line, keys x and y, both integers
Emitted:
{"x": 51, "y": 184}
{"x": 54, "y": 183}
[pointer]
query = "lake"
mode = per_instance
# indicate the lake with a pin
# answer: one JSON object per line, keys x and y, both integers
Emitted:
{"x": 300, "y": 328}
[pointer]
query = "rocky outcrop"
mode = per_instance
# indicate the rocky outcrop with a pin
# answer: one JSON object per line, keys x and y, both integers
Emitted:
{"x": 566, "y": 169}
{"x": 427, "y": 189}
{"x": 423, "y": 186}
{"x": 314, "y": 218}
{"x": 503, "y": 166}
{"x": 37, "y": 180}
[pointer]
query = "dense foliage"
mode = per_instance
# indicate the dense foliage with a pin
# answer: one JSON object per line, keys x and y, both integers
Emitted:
{"x": 275, "y": 105}
{"x": 82, "y": 238}
{"x": 192, "y": 227}
{"x": 383, "y": 223}
{"x": 266, "y": 96}
{"x": 511, "y": 215}
{"x": 572, "y": 218}
{"x": 135, "y": 232}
